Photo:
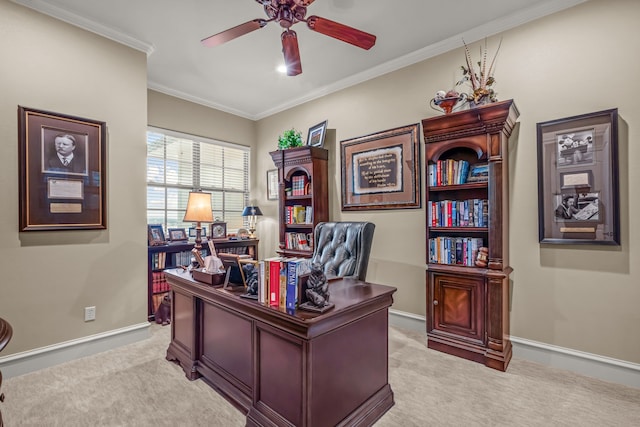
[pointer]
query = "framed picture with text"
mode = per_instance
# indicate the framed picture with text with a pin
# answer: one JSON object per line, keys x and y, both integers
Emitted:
{"x": 62, "y": 171}
{"x": 578, "y": 193}
{"x": 382, "y": 170}
{"x": 272, "y": 184}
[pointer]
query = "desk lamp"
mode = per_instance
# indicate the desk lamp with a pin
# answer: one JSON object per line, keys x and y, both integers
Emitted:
{"x": 198, "y": 211}
{"x": 252, "y": 212}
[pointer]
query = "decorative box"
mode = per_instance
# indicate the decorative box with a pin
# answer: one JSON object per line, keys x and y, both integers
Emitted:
{"x": 212, "y": 279}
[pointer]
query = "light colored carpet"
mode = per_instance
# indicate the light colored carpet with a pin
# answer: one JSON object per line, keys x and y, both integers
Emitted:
{"x": 135, "y": 386}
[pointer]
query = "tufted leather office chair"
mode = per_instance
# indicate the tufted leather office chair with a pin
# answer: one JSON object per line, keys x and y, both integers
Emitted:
{"x": 342, "y": 248}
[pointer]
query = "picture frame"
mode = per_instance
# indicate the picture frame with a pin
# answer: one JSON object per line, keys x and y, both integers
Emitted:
{"x": 177, "y": 235}
{"x": 382, "y": 170}
{"x": 155, "y": 235}
{"x": 62, "y": 171}
{"x": 578, "y": 183}
{"x": 272, "y": 184}
{"x": 478, "y": 172}
{"x": 192, "y": 232}
{"x": 316, "y": 135}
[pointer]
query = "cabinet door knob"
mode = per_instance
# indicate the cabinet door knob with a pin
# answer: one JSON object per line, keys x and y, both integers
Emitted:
{"x": 435, "y": 302}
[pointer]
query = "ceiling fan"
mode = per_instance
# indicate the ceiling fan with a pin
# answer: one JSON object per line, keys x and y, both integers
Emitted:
{"x": 288, "y": 13}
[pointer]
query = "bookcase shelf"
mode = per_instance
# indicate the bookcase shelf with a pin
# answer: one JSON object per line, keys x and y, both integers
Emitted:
{"x": 303, "y": 200}
{"x": 467, "y": 306}
{"x": 163, "y": 257}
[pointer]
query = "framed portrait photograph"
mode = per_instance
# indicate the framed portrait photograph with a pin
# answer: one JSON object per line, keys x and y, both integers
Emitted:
{"x": 155, "y": 235}
{"x": 578, "y": 193}
{"x": 62, "y": 171}
{"x": 178, "y": 235}
{"x": 316, "y": 135}
{"x": 272, "y": 184}
{"x": 382, "y": 170}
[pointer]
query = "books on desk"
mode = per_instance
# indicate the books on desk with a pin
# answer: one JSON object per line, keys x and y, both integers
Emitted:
{"x": 280, "y": 280}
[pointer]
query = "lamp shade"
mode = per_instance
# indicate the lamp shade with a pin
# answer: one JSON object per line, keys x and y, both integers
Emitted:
{"x": 198, "y": 207}
{"x": 251, "y": 210}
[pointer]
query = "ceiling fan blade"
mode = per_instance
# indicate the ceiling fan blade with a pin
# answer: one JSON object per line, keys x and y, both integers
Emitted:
{"x": 232, "y": 33}
{"x": 341, "y": 32}
{"x": 291, "y": 52}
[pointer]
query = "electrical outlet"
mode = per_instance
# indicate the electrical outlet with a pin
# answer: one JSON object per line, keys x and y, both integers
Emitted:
{"x": 89, "y": 313}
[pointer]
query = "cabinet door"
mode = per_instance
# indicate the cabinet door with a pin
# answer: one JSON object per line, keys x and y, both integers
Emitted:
{"x": 458, "y": 306}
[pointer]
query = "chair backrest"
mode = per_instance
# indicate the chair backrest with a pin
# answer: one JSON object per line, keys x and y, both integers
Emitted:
{"x": 342, "y": 248}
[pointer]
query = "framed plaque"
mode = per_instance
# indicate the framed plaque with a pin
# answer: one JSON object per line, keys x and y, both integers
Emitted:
{"x": 578, "y": 194}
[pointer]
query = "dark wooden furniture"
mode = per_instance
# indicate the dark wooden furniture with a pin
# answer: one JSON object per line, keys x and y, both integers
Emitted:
{"x": 5, "y": 336}
{"x": 176, "y": 254}
{"x": 308, "y": 165}
{"x": 468, "y": 306}
{"x": 299, "y": 369}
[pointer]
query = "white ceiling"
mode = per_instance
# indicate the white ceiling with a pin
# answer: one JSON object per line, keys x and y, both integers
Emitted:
{"x": 240, "y": 76}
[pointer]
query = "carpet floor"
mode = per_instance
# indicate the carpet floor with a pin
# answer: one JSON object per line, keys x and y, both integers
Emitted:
{"x": 134, "y": 385}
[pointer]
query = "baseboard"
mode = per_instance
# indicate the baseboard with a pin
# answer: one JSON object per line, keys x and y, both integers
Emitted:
{"x": 28, "y": 361}
{"x": 588, "y": 364}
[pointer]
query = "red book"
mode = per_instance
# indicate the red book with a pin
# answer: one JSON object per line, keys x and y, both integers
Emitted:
{"x": 274, "y": 280}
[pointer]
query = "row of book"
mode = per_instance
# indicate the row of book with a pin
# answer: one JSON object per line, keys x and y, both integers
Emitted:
{"x": 298, "y": 241}
{"x": 458, "y": 213}
{"x": 454, "y": 250}
{"x": 279, "y": 281}
{"x": 158, "y": 282}
{"x": 448, "y": 172}
{"x": 299, "y": 214}
{"x": 159, "y": 260}
{"x": 299, "y": 185}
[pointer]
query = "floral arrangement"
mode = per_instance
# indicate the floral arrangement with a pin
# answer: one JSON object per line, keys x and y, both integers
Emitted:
{"x": 481, "y": 80}
{"x": 289, "y": 139}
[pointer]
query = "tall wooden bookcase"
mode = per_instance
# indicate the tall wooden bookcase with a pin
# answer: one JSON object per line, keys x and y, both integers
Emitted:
{"x": 467, "y": 305}
{"x": 303, "y": 198}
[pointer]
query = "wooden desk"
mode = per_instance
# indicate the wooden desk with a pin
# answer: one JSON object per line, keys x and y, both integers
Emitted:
{"x": 300, "y": 369}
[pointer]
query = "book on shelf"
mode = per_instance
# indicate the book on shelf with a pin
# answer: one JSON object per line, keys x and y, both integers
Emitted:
{"x": 299, "y": 185}
{"x": 454, "y": 250}
{"x": 447, "y": 172}
{"x": 458, "y": 213}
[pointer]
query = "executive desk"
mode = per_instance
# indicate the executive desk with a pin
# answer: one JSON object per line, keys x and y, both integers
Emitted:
{"x": 301, "y": 369}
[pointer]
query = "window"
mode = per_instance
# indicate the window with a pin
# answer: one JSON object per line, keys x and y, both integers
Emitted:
{"x": 178, "y": 163}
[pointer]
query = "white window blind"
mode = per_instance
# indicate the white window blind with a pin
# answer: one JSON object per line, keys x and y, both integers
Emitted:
{"x": 178, "y": 163}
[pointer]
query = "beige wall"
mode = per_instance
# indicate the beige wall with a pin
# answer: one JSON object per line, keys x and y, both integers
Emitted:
{"x": 49, "y": 277}
{"x": 578, "y": 61}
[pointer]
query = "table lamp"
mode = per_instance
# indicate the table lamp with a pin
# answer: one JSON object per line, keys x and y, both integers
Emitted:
{"x": 252, "y": 212}
{"x": 198, "y": 211}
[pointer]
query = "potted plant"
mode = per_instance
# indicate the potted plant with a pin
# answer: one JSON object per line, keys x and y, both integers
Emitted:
{"x": 289, "y": 139}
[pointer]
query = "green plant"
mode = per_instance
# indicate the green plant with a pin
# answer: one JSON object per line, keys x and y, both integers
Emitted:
{"x": 289, "y": 139}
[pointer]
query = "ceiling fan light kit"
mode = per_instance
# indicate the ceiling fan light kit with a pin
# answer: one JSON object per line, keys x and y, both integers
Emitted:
{"x": 287, "y": 13}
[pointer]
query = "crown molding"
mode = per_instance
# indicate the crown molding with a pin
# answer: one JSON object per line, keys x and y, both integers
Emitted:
{"x": 86, "y": 24}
